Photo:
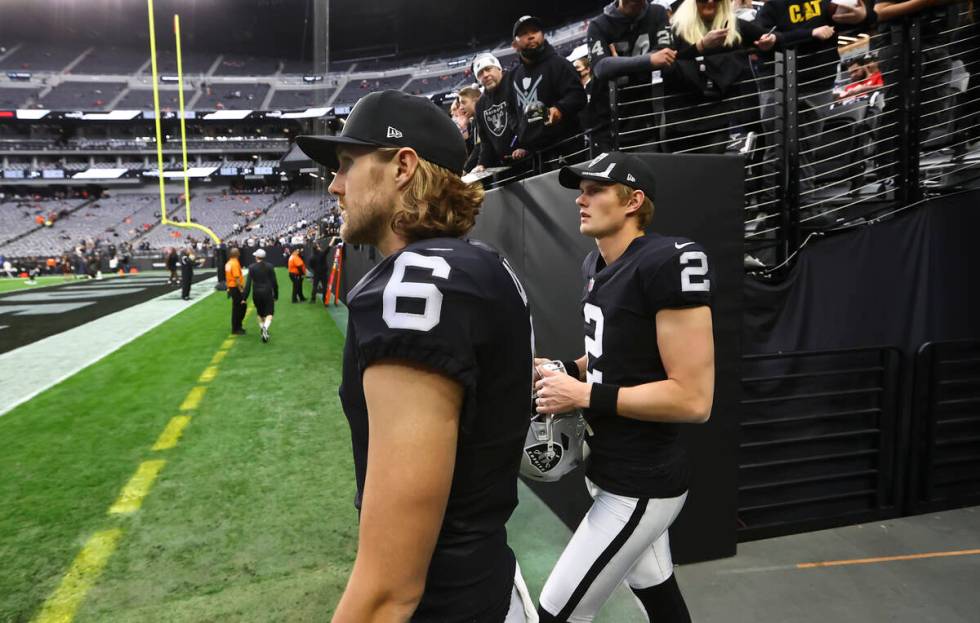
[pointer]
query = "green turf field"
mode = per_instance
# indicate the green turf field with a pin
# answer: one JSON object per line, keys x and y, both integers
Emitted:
{"x": 9, "y": 285}
{"x": 250, "y": 518}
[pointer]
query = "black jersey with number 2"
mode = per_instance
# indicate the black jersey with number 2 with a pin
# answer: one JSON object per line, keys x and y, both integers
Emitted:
{"x": 632, "y": 457}
{"x": 454, "y": 306}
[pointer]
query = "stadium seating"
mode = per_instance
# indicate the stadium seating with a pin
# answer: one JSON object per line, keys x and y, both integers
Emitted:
{"x": 15, "y": 98}
{"x": 245, "y": 65}
{"x": 356, "y": 89}
{"x": 41, "y": 57}
{"x": 112, "y": 60}
{"x": 284, "y": 215}
{"x": 300, "y": 99}
{"x": 82, "y": 95}
{"x": 232, "y": 96}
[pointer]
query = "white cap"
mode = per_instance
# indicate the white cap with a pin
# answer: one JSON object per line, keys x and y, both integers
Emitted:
{"x": 260, "y": 253}
{"x": 485, "y": 60}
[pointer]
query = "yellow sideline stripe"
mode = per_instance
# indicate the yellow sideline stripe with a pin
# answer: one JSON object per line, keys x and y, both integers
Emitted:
{"x": 868, "y": 561}
{"x": 208, "y": 375}
{"x": 228, "y": 343}
{"x": 218, "y": 356}
{"x": 85, "y": 570}
{"x": 131, "y": 497}
{"x": 193, "y": 398}
{"x": 171, "y": 435}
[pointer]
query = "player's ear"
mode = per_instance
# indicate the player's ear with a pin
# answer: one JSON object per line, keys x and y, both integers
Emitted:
{"x": 406, "y": 162}
{"x": 635, "y": 202}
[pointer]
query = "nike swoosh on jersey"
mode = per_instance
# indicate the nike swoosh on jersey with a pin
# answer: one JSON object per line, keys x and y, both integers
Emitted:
{"x": 681, "y": 246}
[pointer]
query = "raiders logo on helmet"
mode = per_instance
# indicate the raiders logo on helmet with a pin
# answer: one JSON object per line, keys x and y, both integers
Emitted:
{"x": 555, "y": 444}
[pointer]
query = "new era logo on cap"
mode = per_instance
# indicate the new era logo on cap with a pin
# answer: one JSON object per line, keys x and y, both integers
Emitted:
{"x": 394, "y": 132}
{"x": 630, "y": 178}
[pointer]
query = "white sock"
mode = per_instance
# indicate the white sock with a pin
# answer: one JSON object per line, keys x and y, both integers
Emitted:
{"x": 268, "y": 322}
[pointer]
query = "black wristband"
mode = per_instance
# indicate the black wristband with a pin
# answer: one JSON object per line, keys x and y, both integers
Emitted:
{"x": 603, "y": 398}
{"x": 570, "y": 365}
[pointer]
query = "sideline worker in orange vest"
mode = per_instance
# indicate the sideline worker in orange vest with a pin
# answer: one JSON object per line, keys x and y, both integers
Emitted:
{"x": 236, "y": 285}
{"x": 297, "y": 270}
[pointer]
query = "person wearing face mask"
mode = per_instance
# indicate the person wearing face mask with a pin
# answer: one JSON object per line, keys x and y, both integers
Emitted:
{"x": 547, "y": 92}
{"x": 711, "y": 61}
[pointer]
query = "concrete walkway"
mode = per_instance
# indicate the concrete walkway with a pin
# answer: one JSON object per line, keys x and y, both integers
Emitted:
{"x": 29, "y": 370}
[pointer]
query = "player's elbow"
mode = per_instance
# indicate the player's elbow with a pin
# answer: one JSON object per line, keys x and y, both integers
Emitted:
{"x": 698, "y": 409}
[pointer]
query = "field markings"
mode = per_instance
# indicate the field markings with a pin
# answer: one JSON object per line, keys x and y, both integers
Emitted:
{"x": 131, "y": 497}
{"x": 63, "y": 603}
{"x": 193, "y": 398}
{"x": 171, "y": 434}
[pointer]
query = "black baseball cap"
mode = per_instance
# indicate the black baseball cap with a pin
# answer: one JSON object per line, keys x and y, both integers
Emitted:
{"x": 525, "y": 20}
{"x": 611, "y": 167}
{"x": 394, "y": 119}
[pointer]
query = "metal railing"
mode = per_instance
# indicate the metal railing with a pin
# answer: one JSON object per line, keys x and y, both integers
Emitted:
{"x": 818, "y": 160}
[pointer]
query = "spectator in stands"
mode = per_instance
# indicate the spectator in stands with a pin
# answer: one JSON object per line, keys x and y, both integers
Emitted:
{"x": 495, "y": 119}
{"x": 711, "y": 61}
{"x": 548, "y": 96}
{"x": 468, "y": 98}
{"x": 864, "y": 76}
{"x": 811, "y": 27}
{"x": 628, "y": 41}
{"x": 297, "y": 270}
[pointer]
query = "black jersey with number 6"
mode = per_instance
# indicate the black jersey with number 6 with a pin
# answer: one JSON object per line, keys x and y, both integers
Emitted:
{"x": 454, "y": 306}
{"x": 632, "y": 457}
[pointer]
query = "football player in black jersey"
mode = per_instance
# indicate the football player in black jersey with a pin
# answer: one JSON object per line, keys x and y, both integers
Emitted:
{"x": 648, "y": 368}
{"x": 437, "y": 368}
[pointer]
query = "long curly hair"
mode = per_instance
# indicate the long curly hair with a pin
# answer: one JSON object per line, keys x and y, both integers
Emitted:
{"x": 436, "y": 203}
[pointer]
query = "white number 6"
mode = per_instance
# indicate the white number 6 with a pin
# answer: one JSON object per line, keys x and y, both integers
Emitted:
{"x": 396, "y": 289}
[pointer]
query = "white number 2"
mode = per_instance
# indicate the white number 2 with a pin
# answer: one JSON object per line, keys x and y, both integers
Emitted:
{"x": 698, "y": 271}
{"x": 396, "y": 289}
{"x": 593, "y": 346}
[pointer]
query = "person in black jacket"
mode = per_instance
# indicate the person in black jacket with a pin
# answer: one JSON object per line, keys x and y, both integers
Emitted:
{"x": 262, "y": 277}
{"x": 319, "y": 266}
{"x": 711, "y": 61}
{"x": 627, "y": 43}
{"x": 495, "y": 118}
{"x": 548, "y": 95}
{"x": 172, "y": 262}
{"x": 187, "y": 263}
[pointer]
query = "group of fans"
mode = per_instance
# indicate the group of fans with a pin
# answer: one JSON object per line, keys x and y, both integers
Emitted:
{"x": 701, "y": 59}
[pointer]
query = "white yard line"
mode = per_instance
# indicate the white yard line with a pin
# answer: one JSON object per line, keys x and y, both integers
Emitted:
{"x": 29, "y": 370}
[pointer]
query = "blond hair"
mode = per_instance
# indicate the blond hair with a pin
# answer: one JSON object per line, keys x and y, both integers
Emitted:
{"x": 645, "y": 212}
{"x": 689, "y": 26}
{"x": 436, "y": 203}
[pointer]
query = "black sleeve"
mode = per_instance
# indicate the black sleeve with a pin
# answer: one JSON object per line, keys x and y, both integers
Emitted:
{"x": 275, "y": 283}
{"x": 421, "y": 309}
{"x": 474, "y": 158}
{"x": 751, "y": 32}
{"x": 683, "y": 280}
{"x": 572, "y": 99}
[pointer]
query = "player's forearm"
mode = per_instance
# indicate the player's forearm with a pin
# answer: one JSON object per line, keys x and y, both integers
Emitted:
{"x": 665, "y": 401}
{"x": 364, "y": 602}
